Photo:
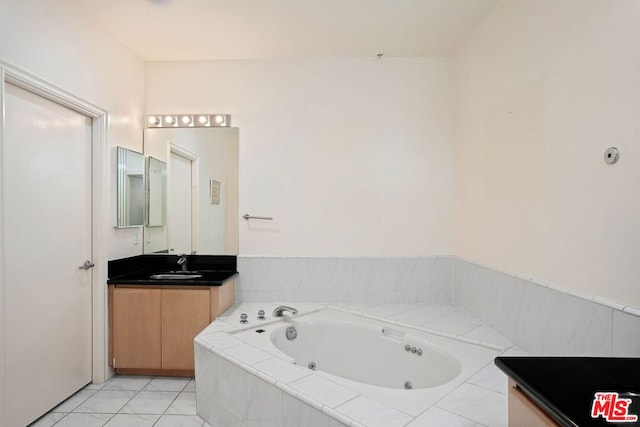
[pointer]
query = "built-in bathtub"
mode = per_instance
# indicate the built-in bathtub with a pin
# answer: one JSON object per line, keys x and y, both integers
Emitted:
{"x": 337, "y": 362}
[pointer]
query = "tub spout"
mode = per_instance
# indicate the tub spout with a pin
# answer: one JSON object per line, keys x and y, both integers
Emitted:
{"x": 281, "y": 309}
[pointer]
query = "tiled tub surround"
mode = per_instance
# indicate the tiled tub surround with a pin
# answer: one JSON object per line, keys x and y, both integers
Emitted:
{"x": 326, "y": 280}
{"x": 243, "y": 384}
{"x": 545, "y": 318}
{"x": 538, "y": 316}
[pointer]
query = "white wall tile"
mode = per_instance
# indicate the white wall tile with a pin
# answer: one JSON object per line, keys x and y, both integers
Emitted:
{"x": 490, "y": 377}
{"x": 485, "y": 334}
{"x": 207, "y": 377}
{"x": 281, "y": 371}
{"x": 552, "y": 322}
{"x": 373, "y": 414}
{"x": 626, "y": 335}
{"x": 540, "y": 320}
{"x": 265, "y": 405}
{"x": 456, "y": 323}
{"x": 420, "y": 315}
{"x": 318, "y": 279}
{"x": 247, "y": 354}
{"x": 336, "y": 423}
{"x": 439, "y": 417}
{"x": 327, "y": 392}
{"x": 235, "y": 386}
{"x": 478, "y": 404}
{"x": 295, "y": 414}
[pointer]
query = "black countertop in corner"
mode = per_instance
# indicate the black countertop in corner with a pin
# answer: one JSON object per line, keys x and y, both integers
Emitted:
{"x": 565, "y": 387}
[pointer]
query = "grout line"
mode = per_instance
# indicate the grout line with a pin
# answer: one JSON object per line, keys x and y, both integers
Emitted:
{"x": 462, "y": 416}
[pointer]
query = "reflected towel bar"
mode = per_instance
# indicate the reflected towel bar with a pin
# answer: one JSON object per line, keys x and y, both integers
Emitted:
{"x": 248, "y": 217}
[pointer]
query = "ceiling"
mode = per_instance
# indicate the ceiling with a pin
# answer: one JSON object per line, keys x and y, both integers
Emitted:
{"x": 172, "y": 30}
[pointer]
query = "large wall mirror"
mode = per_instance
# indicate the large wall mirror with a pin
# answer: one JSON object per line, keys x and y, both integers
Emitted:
{"x": 201, "y": 190}
{"x": 156, "y": 193}
{"x": 131, "y": 188}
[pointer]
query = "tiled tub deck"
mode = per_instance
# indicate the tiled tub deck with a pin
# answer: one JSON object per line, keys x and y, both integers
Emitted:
{"x": 242, "y": 385}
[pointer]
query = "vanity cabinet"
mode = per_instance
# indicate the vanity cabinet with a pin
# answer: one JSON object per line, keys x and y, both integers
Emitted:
{"x": 151, "y": 328}
{"x": 136, "y": 333}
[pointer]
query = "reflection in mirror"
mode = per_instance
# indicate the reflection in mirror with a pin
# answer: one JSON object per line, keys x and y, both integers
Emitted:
{"x": 130, "y": 182}
{"x": 156, "y": 192}
{"x": 202, "y": 190}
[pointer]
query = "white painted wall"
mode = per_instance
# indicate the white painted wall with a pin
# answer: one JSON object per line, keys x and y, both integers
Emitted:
{"x": 543, "y": 88}
{"x": 54, "y": 42}
{"x": 352, "y": 157}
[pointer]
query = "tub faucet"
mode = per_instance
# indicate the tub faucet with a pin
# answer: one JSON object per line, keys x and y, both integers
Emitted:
{"x": 281, "y": 309}
{"x": 182, "y": 261}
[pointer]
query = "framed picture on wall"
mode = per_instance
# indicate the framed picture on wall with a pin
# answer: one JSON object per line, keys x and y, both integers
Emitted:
{"x": 214, "y": 192}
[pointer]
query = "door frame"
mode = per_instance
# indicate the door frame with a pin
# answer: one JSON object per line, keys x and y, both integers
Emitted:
{"x": 195, "y": 188}
{"x": 99, "y": 208}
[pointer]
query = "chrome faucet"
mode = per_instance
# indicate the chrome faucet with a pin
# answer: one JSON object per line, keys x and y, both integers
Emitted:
{"x": 182, "y": 261}
{"x": 281, "y": 309}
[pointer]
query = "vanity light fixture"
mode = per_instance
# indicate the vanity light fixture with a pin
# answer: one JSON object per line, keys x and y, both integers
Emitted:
{"x": 188, "y": 120}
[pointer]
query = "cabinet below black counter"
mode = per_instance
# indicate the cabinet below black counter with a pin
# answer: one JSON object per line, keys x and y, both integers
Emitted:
{"x": 580, "y": 391}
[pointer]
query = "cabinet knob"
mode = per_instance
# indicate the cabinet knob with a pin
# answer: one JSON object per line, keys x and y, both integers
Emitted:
{"x": 243, "y": 318}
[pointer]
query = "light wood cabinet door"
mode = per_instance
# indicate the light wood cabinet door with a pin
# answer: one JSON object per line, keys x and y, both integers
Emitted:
{"x": 185, "y": 313}
{"x": 523, "y": 412}
{"x": 136, "y": 320}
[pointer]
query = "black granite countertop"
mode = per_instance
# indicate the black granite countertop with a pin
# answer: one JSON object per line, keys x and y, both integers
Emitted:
{"x": 213, "y": 269}
{"x": 566, "y": 387}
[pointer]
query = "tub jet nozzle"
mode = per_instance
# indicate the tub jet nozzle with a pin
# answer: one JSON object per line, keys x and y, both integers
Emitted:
{"x": 291, "y": 333}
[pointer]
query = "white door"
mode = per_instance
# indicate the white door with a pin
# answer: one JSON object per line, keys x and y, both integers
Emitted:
{"x": 46, "y": 170}
{"x": 179, "y": 209}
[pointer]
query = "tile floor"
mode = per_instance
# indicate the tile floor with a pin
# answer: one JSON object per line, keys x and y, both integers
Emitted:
{"x": 129, "y": 401}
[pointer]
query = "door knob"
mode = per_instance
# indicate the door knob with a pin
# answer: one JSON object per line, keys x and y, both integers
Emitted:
{"x": 87, "y": 265}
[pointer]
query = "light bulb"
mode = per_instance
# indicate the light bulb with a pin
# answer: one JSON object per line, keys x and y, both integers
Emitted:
{"x": 153, "y": 120}
{"x": 169, "y": 119}
{"x": 202, "y": 119}
{"x": 186, "y": 120}
{"x": 219, "y": 119}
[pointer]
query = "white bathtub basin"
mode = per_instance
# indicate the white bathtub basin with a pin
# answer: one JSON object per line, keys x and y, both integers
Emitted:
{"x": 368, "y": 353}
{"x": 352, "y": 350}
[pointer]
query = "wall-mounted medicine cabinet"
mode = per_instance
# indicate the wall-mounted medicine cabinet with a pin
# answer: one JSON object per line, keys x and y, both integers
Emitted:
{"x": 131, "y": 188}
